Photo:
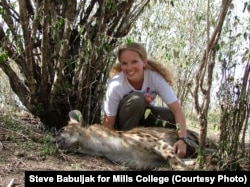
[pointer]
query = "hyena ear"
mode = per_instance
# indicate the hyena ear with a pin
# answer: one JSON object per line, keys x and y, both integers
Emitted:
{"x": 76, "y": 115}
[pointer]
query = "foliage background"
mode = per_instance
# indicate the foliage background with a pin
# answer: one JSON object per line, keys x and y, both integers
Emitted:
{"x": 174, "y": 32}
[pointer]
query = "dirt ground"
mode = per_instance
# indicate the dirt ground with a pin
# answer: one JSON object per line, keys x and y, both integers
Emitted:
{"x": 24, "y": 146}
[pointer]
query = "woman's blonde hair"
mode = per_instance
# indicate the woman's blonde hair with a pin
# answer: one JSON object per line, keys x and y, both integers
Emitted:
{"x": 152, "y": 64}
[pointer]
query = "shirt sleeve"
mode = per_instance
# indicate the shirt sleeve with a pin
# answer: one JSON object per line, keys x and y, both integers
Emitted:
{"x": 165, "y": 91}
{"x": 111, "y": 100}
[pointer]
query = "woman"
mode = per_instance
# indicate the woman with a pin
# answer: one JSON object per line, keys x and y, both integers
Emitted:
{"x": 135, "y": 82}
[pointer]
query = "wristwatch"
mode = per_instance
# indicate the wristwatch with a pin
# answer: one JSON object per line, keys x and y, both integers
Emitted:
{"x": 184, "y": 139}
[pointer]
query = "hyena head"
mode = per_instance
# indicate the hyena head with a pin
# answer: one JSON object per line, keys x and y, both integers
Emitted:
{"x": 69, "y": 137}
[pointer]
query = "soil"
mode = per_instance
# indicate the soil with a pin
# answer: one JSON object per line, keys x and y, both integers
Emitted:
{"x": 25, "y": 146}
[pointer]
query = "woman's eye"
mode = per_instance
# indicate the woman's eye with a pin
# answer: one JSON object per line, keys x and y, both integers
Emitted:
{"x": 124, "y": 63}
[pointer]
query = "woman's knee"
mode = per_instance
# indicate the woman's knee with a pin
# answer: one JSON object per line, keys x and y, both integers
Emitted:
{"x": 137, "y": 101}
{"x": 131, "y": 109}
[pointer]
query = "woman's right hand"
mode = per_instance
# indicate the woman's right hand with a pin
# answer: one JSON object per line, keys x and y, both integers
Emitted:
{"x": 109, "y": 121}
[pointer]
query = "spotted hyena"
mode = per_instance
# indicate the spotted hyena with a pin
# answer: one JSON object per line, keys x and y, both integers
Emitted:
{"x": 140, "y": 148}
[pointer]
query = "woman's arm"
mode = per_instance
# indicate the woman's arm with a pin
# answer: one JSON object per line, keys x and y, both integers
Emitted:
{"x": 180, "y": 119}
{"x": 109, "y": 121}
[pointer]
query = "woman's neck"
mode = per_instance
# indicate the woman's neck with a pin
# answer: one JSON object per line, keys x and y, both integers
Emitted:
{"x": 136, "y": 85}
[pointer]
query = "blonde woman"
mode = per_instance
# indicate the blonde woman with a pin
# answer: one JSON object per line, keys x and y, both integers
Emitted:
{"x": 132, "y": 89}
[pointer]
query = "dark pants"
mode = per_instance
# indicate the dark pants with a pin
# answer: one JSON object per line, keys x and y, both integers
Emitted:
{"x": 133, "y": 112}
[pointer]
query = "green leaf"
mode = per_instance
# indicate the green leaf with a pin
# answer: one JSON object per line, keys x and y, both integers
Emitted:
{"x": 157, "y": 121}
{"x": 178, "y": 127}
{"x": 147, "y": 112}
{"x": 3, "y": 56}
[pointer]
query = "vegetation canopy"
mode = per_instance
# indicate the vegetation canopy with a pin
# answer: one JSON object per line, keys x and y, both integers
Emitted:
{"x": 57, "y": 53}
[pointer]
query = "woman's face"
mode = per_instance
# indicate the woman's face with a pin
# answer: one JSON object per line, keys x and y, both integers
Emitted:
{"x": 132, "y": 66}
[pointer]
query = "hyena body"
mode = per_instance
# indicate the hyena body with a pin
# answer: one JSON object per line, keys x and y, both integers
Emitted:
{"x": 140, "y": 148}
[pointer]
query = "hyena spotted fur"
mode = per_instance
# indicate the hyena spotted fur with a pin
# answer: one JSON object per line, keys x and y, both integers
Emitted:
{"x": 142, "y": 148}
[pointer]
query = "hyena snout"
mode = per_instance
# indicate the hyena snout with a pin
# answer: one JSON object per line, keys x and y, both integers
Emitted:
{"x": 68, "y": 141}
{"x": 60, "y": 139}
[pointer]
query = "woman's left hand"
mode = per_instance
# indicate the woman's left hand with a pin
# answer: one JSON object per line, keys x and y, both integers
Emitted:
{"x": 148, "y": 98}
{"x": 180, "y": 148}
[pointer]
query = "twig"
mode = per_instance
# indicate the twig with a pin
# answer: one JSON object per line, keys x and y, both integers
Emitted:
{"x": 67, "y": 157}
{"x": 11, "y": 184}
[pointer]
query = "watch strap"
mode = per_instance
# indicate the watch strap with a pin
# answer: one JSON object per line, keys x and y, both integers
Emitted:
{"x": 184, "y": 139}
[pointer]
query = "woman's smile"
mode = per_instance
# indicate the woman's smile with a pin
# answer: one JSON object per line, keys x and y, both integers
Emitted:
{"x": 133, "y": 67}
